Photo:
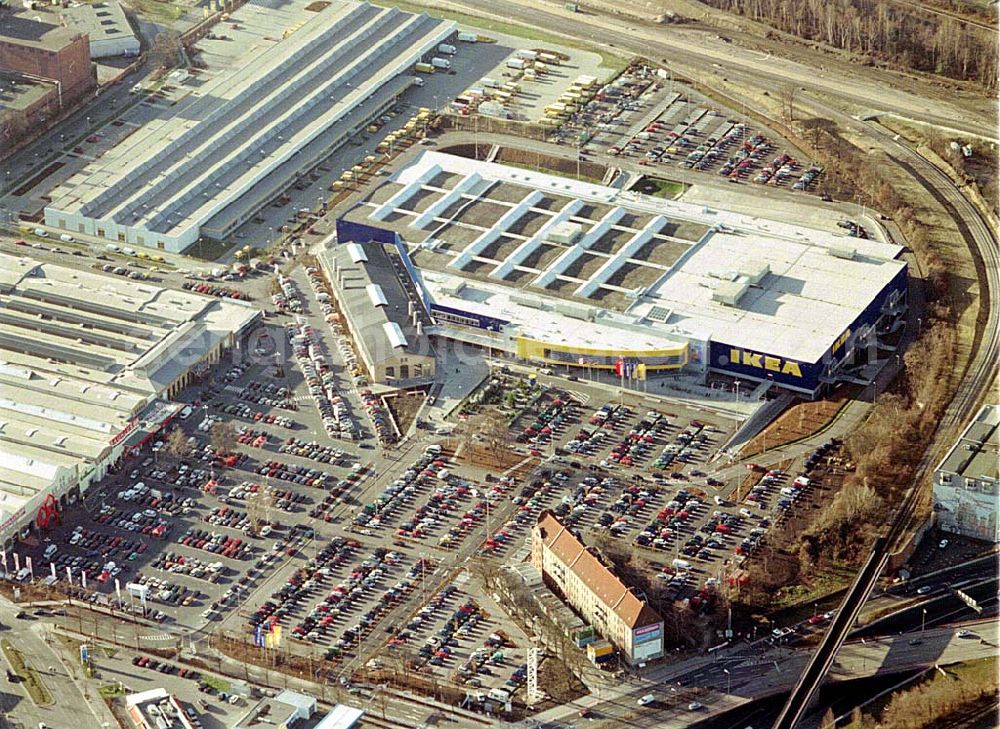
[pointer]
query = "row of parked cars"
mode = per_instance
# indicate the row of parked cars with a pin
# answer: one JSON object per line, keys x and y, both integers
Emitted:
{"x": 431, "y": 516}
{"x": 223, "y": 292}
{"x": 286, "y": 500}
{"x": 314, "y": 451}
{"x": 286, "y": 298}
{"x": 303, "y": 580}
{"x": 177, "y": 563}
{"x": 215, "y": 543}
{"x": 269, "y": 394}
{"x": 321, "y": 381}
{"x": 242, "y": 410}
{"x": 421, "y": 472}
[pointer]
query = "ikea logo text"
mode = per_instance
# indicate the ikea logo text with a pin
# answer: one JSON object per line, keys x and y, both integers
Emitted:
{"x": 841, "y": 340}
{"x": 764, "y": 362}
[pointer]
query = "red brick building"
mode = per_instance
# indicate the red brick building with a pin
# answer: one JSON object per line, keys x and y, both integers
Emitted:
{"x": 46, "y": 50}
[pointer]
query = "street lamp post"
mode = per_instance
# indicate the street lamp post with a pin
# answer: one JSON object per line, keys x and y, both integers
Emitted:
{"x": 729, "y": 680}
{"x": 923, "y": 621}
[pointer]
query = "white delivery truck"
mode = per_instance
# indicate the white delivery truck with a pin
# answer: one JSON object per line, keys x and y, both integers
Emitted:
{"x": 439, "y": 62}
{"x": 681, "y": 564}
{"x": 447, "y": 49}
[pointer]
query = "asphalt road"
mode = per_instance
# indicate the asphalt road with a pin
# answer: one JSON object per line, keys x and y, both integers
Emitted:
{"x": 758, "y": 671}
{"x": 58, "y": 673}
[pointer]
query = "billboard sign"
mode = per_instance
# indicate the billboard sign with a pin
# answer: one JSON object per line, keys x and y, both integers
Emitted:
{"x": 646, "y": 634}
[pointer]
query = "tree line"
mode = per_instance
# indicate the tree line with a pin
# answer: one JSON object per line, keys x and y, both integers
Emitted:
{"x": 895, "y": 34}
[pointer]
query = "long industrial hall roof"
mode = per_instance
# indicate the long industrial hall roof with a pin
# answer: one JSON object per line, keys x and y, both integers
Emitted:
{"x": 81, "y": 355}
{"x": 177, "y": 172}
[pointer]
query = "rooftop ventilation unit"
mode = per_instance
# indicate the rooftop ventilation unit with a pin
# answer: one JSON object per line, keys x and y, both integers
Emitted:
{"x": 565, "y": 233}
{"x": 755, "y": 271}
{"x": 843, "y": 250}
{"x": 573, "y": 311}
{"x": 729, "y": 293}
{"x": 530, "y": 302}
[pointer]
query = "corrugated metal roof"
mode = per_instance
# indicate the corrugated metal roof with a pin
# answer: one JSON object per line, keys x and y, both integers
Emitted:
{"x": 357, "y": 253}
{"x": 394, "y": 333}
{"x": 376, "y": 294}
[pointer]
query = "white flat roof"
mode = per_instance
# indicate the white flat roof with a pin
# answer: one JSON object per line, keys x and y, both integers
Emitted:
{"x": 81, "y": 355}
{"x": 808, "y": 298}
{"x": 540, "y": 320}
{"x": 245, "y": 124}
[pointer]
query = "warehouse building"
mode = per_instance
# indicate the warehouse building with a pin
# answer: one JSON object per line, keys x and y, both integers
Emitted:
{"x": 586, "y": 276}
{"x": 108, "y": 31}
{"x": 966, "y": 482}
{"x": 87, "y": 365}
{"x": 592, "y": 589}
{"x": 381, "y": 318}
{"x": 236, "y": 145}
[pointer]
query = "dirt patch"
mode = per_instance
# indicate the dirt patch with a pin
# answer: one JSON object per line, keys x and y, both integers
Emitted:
{"x": 685, "y": 230}
{"x": 593, "y": 211}
{"x": 800, "y": 420}
{"x": 634, "y": 275}
{"x": 528, "y": 224}
{"x": 506, "y": 192}
{"x": 501, "y": 248}
{"x": 611, "y": 299}
{"x": 404, "y": 407}
{"x": 420, "y": 200}
{"x": 482, "y": 213}
{"x": 611, "y": 241}
{"x": 519, "y": 277}
{"x": 557, "y": 165}
{"x": 383, "y": 192}
{"x": 445, "y": 180}
{"x": 542, "y": 256}
{"x": 458, "y": 236}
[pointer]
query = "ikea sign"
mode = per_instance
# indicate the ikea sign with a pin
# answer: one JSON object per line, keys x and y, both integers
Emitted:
{"x": 765, "y": 362}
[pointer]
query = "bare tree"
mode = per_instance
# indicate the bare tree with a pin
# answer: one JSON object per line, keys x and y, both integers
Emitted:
{"x": 223, "y": 437}
{"x": 177, "y": 445}
{"x": 165, "y": 50}
{"x": 787, "y": 97}
{"x": 487, "y": 570}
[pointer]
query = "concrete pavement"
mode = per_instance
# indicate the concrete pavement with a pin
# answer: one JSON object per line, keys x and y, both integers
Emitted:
{"x": 75, "y": 702}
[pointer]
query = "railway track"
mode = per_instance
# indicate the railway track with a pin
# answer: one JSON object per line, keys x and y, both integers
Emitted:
{"x": 972, "y": 388}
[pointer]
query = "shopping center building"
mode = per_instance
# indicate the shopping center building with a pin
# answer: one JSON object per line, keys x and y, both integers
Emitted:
{"x": 88, "y": 366}
{"x": 578, "y": 275}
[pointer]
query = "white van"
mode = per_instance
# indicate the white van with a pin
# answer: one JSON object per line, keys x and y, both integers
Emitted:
{"x": 681, "y": 564}
{"x": 185, "y": 412}
{"x": 41, "y": 232}
{"x": 647, "y": 700}
{"x": 67, "y": 238}
{"x": 49, "y": 551}
{"x": 112, "y": 247}
{"x": 499, "y": 694}
{"x": 128, "y": 251}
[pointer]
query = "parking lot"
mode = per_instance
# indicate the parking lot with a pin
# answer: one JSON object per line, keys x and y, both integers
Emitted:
{"x": 665, "y": 124}
{"x": 346, "y": 548}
